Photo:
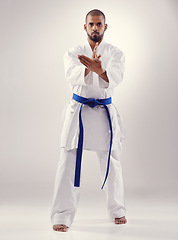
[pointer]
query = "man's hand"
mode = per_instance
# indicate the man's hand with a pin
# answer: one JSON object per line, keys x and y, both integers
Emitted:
{"x": 93, "y": 65}
{"x": 95, "y": 52}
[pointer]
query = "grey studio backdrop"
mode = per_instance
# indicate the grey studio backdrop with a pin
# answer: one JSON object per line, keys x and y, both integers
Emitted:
{"x": 34, "y": 37}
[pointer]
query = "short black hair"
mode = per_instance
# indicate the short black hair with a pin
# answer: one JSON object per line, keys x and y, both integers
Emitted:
{"x": 95, "y": 12}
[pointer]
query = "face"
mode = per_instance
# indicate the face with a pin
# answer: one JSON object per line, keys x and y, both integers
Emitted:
{"x": 95, "y": 28}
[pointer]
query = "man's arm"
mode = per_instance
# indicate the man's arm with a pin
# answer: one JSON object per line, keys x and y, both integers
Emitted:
{"x": 104, "y": 76}
{"x": 73, "y": 69}
{"x": 115, "y": 68}
{"x": 93, "y": 65}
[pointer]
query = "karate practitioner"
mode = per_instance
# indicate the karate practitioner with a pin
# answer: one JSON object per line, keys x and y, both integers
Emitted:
{"x": 93, "y": 70}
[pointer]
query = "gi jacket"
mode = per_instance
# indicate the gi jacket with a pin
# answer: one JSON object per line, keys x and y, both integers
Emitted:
{"x": 95, "y": 121}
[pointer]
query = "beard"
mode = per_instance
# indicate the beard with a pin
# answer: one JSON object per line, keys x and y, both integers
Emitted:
{"x": 95, "y": 38}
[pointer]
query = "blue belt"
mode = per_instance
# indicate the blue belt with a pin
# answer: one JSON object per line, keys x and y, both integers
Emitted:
{"x": 92, "y": 102}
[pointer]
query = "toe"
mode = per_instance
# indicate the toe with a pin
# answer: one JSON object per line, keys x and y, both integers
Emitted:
{"x": 60, "y": 228}
{"x": 121, "y": 220}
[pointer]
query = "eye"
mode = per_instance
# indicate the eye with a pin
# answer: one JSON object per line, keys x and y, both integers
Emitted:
{"x": 99, "y": 24}
{"x": 91, "y": 24}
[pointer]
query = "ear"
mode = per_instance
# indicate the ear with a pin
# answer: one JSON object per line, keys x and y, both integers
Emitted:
{"x": 105, "y": 27}
{"x": 85, "y": 27}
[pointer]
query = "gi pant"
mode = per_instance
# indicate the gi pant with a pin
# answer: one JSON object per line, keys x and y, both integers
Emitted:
{"x": 66, "y": 196}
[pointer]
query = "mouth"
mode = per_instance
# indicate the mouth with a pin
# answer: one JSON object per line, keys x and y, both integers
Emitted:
{"x": 95, "y": 33}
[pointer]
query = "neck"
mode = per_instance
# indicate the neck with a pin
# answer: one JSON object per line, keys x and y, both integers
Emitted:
{"x": 92, "y": 44}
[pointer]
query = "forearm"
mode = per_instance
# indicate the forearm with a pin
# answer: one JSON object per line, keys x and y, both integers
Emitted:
{"x": 104, "y": 76}
{"x": 75, "y": 75}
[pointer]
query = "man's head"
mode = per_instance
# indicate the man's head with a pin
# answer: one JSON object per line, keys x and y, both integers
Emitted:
{"x": 95, "y": 25}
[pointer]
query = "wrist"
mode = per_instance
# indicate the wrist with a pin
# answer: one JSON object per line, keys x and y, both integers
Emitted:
{"x": 102, "y": 70}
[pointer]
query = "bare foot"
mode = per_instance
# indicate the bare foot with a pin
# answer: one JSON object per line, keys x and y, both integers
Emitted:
{"x": 121, "y": 220}
{"x": 60, "y": 228}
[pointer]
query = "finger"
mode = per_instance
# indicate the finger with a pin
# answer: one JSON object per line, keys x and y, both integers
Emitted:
{"x": 97, "y": 60}
{"x": 79, "y": 56}
{"x": 94, "y": 54}
{"x": 84, "y": 63}
{"x": 99, "y": 56}
{"x": 85, "y": 58}
{"x": 95, "y": 49}
{"x": 96, "y": 45}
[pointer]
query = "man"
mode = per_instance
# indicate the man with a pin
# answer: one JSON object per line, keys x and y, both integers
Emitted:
{"x": 92, "y": 122}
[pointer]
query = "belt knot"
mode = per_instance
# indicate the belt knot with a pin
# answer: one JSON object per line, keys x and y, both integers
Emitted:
{"x": 92, "y": 102}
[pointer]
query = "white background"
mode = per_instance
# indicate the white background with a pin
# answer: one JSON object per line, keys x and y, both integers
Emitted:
{"x": 34, "y": 36}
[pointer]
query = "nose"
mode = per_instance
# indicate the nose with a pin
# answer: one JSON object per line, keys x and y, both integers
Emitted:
{"x": 95, "y": 28}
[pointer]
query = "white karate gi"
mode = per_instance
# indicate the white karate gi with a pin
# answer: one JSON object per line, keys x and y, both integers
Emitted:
{"x": 96, "y": 132}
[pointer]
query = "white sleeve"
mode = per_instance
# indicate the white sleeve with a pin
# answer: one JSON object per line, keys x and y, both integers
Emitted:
{"x": 74, "y": 70}
{"x": 115, "y": 68}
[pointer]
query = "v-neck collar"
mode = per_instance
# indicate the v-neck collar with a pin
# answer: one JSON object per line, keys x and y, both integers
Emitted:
{"x": 89, "y": 50}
